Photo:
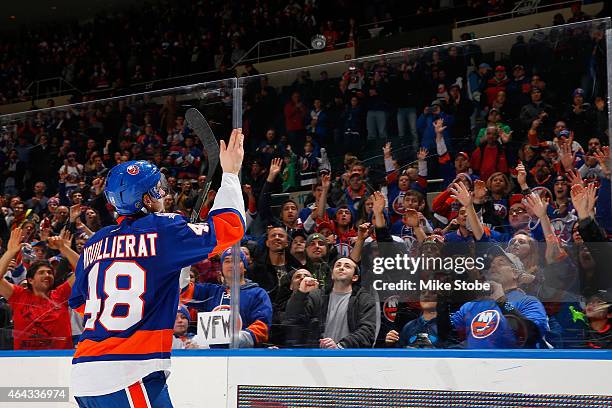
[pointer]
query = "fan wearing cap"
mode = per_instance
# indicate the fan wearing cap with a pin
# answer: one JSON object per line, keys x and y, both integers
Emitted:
{"x": 598, "y": 313}
{"x": 426, "y": 128}
{"x": 355, "y": 189}
{"x": 580, "y": 117}
{"x": 344, "y": 229}
{"x": 561, "y": 135}
{"x": 499, "y": 82}
{"x": 507, "y": 318}
{"x": 182, "y": 338}
{"x": 518, "y": 219}
{"x": 318, "y": 254}
{"x": 255, "y": 304}
{"x": 517, "y": 90}
{"x": 342, "y": 316}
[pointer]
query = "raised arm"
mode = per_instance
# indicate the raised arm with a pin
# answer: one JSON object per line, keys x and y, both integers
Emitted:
{"x": 13, "y": 247}
{"x": 263, "y": 204}
{"x": 521, "y": 178}
{"x": 322, "y": 202}
{"x": 461, "y": 193}
{"x": 363, "y": 232}
{"x": 63, "y": 243}
{"x": 378, "y": 210}
{"x": 413, "y": 219}
{"x": 388, "y": 157}
{"x": 538, "y": 207}
{"x": 229, "y": 225}
{"x": 422, "y": 161}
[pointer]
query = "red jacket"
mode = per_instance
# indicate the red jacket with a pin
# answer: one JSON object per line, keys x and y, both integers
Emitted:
{"x": 294, "y": 117}
{"x": 490, "y": 160}
{"x": 493, "y": 87}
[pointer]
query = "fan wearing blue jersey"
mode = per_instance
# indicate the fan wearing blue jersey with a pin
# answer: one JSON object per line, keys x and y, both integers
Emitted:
{"x": 255, "y": 304}
{"x": 127, "y": 282}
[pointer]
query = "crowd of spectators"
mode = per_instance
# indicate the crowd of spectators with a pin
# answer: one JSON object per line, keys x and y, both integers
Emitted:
{"x": 520, "y": 145}
{"x": 159, "y": 40}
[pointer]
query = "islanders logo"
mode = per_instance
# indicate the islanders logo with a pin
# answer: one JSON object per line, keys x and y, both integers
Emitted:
{"x": 222, "y": 308}
{"x": 398, "y": 203}
{"x": 500, "y": 210}
{"x": 133, "y": 169}
{"x": 485, "y": 323}
{"x": 390, "y": 307}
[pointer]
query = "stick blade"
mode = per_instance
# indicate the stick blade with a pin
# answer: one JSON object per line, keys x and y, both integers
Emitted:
{"x": 202, "y": 129}
{"x": 199, "y": 124}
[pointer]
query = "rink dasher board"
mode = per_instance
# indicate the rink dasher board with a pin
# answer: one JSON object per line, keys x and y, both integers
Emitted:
{"x": 213, "y": 378}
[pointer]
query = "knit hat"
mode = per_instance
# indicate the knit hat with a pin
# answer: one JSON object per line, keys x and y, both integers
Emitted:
{"x": 515, "y": 199}
{"x": 496, "y": 251}
{"x": 184, "y": 311}
{"x": 314, "y": 236}
{"x": 464, "y": 154}
{"x": 243, "y": 257}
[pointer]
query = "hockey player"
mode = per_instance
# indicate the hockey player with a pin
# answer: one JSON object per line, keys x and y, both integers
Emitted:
{"x": 127, "y": 279}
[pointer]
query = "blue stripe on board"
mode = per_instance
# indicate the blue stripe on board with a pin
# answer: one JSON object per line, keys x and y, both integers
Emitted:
{"x": 121, "y": 357}
{"x": 386, "y": 353}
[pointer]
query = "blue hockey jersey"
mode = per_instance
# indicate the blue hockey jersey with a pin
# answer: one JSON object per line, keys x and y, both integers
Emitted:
{"x": 127, "y": 280}
{"x": 485, "y": 326}
{"x": 255, "y": 305}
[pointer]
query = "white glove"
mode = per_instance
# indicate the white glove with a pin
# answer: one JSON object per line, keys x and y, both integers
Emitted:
{"x": 245, "y": 340}
{"x": 184, "y": 277}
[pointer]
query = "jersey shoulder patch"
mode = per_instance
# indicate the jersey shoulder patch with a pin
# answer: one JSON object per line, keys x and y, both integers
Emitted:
{"x": 199, "y": 228}
{"x": 168, "y": 215}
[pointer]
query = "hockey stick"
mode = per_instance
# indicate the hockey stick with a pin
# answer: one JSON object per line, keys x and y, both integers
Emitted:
{"x": 200, "y": 126}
